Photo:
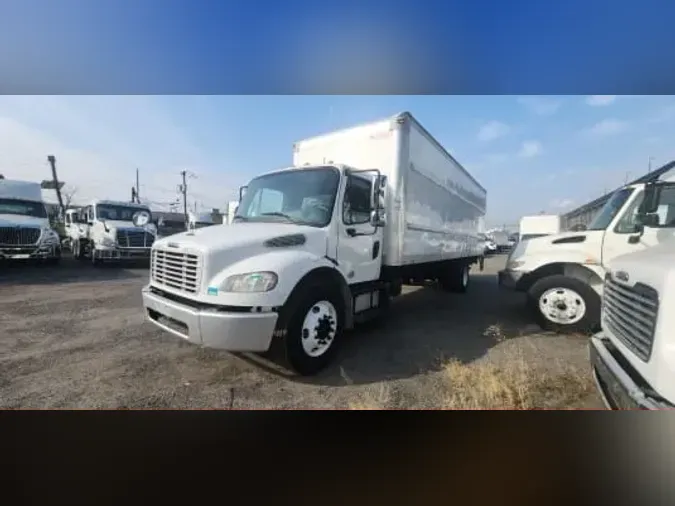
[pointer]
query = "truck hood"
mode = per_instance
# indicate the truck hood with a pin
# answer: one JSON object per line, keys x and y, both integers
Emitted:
{"x": 13, "y": 220}
{"x": 221, "y": 245}
{"x": 655, "y": 264}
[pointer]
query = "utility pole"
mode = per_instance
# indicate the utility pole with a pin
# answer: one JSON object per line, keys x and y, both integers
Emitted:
{"x": 138, "y": 189}
{"x": 52, "y": 161}
{"x": 183, "y": 190}
{"x": 649, "y": 165}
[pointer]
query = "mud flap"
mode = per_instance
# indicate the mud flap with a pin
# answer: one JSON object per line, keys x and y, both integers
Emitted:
{"x": 481, "y": 263}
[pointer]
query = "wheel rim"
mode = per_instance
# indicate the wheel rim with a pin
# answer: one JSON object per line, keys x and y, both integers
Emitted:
{"x": 562, "y": 306}
{"x": 319, "y": 328}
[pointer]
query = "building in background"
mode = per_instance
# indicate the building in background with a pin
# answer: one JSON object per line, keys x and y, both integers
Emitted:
{"x": 583, "y": 215}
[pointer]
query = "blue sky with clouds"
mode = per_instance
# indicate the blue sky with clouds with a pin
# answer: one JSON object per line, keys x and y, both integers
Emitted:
{"x": 532, "y": 153}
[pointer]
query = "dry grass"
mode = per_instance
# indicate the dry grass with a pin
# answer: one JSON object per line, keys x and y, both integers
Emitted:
{"x": 520, "y": 379}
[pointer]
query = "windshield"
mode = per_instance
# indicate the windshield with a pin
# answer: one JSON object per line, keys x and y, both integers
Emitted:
{"x": 117, "y": 212}
{"x": 610, "y": 209}
{"x": 23, "y": 208}
{"x": 303, "y": 196}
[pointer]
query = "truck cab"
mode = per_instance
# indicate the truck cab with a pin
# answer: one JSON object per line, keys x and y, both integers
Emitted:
{"x": 632, "y": 356}
{"x": 108, "y": 230}
{"x": 563, "y": 274}
{"x": 25, "y": 231}
{"x": 300, "y": 261}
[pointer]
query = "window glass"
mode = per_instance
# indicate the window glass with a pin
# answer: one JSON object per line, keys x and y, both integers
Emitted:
{"x": 356, "y": 206}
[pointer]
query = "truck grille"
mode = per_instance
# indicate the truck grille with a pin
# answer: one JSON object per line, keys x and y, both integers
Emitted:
{"x": 177, "y": 270}
{"x": 15, "y": 236}
{"x": 630, "y": 314}
{"x": 134, "y": 239}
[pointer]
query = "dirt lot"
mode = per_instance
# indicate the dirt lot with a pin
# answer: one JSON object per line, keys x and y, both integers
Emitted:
{"x": 75, "y": 337}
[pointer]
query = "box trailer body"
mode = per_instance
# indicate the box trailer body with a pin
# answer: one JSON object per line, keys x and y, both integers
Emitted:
{"x": 435, "y": 208}
{"x": 320, "y": 246}
{"x": 539, "y": 226}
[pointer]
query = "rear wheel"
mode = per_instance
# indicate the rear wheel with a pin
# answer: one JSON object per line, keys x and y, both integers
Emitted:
{"x": 456, "y": 279}
{"x": 565, "y": 305}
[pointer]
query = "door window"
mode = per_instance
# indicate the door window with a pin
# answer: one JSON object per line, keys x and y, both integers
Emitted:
{"x": 356, "y": 205}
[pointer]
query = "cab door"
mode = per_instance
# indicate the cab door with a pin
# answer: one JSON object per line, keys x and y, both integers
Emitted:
{"x": 621, "y": 236}
{"x": 359, "y": 242}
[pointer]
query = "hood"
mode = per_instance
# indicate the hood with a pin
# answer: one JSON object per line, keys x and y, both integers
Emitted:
{"x": 13, "y": 220}
{"x": 239, "y": 235}
{"x": 652, "y": 265}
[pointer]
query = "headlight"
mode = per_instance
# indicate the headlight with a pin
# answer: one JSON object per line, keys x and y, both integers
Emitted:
{"x": 250, "y": 282}
{"x": 108, "y": 241}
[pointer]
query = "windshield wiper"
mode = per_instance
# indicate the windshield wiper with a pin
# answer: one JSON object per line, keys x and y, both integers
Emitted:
{"x": 280, "y": 215}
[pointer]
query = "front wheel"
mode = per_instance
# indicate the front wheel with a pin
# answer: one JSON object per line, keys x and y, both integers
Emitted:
{"x": 314, "y": 331}
{"x": 565, "y": 305}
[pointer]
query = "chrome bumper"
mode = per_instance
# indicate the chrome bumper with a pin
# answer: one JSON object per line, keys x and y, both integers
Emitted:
{"x": 29, "y": 252}
{"x": 617, "y": 389}
{"x": 211, "y": 328}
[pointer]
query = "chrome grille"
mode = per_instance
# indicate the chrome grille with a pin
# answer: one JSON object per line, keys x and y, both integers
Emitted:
{"x": 19, "y": 236}
{"x": 175, "y": 269}
{"x": 135, "y": 239}
{"x": 630, "y": 313}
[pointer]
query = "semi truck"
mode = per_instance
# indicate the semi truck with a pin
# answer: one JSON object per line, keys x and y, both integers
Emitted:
{"x": 108, "y": 230}
{"x": 563, "y": 274}
{"x": 323, "y": 245}
{"x": 632, "y": 356}
{"x": 539, "y": 225}
{"x": 25, "y": 231}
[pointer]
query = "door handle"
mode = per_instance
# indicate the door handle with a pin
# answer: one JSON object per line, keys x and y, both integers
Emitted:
{"x": 351, "y": 232}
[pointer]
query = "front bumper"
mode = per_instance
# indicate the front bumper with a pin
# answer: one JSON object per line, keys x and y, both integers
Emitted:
{"x": 509, "y": 279}
{"x": 122, "y": 253}
{"x": 211, "y": 327}
{"x": 619, "y": 388}
{"x": 30, "y": 252}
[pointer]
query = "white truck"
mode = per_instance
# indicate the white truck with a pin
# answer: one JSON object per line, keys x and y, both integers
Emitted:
{"x": 108, "y": 230}
{"x": 539, "y": 225}
{"x": 501, "y": 240}
{"x": 563, "y": 274}
{"x": 632, "y": 356}
{"x": 322, "y": 245}
{"x": 25, "y": 232}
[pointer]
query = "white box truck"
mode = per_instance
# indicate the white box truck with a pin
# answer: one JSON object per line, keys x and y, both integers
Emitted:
{"x": 322, "y": 245}
{"x": 632, "y": 356}
{"x": 25, "y": 232}
{"x": 539, "y": 225}
{"x": 563, "y": 274}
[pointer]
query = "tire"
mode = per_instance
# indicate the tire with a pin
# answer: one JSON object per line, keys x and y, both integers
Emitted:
{"x": 564, "y": 305}
{"x": 78, "y": 249}
{"x": 94, "y": 260}
{"x": 317, "y": 310}
{"x": 457, "y": 279}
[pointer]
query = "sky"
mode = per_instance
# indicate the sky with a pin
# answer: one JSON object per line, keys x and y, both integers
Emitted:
{"x": 532, "y": 153}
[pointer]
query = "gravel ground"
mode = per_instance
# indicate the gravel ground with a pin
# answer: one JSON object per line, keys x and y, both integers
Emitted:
{"x": 74, "y": 336}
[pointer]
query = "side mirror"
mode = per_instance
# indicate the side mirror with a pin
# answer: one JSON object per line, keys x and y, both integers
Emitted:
{"x": 242, "y": 192}
{"x": 639, "y": 231}
{"x": 378, "y": 192}
{"x": 378, "y": 218}
{"x": 140, "y": 218}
